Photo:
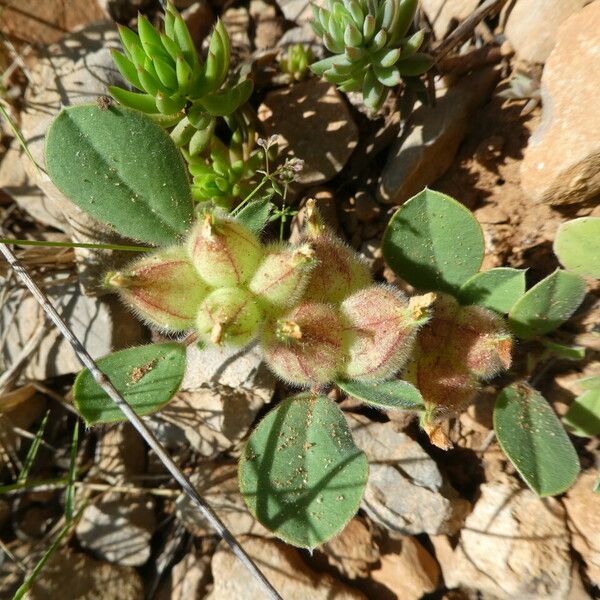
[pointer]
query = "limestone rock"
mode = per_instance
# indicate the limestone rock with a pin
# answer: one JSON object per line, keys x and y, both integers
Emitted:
{"x": 237, "y": 23}
{"x": 562, "y": 160}
{"x": 218, "y": 485}
{"x": 410, "y": 572}
{"x": 71, "y": 574}
{"x": 268, "y": 26}
{"x": 314, "y": 124}
{"x": 426, "y": 150}
{"x": 532, "y": 26}
{"x": 118, "y": 530}
{"x": 187, "y": 579}
{"x": 103, "y": 325}
{"x": 297, "y": 11}
{"x": 406, "y": 492}
{"x": 120, "y": 454}
{"x": 353, "y": 552}
{"x": 444, "y": 15}
{"x": 513, "y": 545}
{"x": 213, "y": 419}
{"x": 282, "y": 566}
{"x": 583, "y": 510}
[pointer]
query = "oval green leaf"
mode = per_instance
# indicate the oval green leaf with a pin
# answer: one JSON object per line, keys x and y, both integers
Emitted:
{"x": 496, "y": 289}
{"x": 583, "y": 416}
{"x": 256, "y": 214}
{"x": 547, "y": 305}
{"x": 577, "y": 246}
{"x": 388, "y": 395}
{"x": 433, "y": 242}
{"x": 532, "y": 437}
{"x": 300, "y": 473}
{"x": 123, "y": 169}
{"x": 147, "y": 376}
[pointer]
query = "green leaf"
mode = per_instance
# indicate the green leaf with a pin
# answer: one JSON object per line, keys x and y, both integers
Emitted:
{"x": 563, "y": 351}
{"x": 589, "y": 383}
{"x": 433, "y": 242}
{"x": 547, "y": 305}
{"x": 255, "y": 215}
{"x": 583, "y": 416}
{"x": 147, "y": 377}
{"x": 597, "y": 485}
{"x": 415, "y": 64}
{"x": 389, "y": 395}
{"x": 300, "y": 473}
{"x": 122, "y": 169}
{"x": 532, "y": 437}
{"x": 496, "y": 289}
{"x": 577, "y": 246}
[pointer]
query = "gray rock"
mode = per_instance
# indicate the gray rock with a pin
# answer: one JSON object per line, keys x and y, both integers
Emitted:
{"x": 103, "y": 325}
{"x": 187, "y": 579}
{"x": 406, "y": 492}
{"x": 513, "y": 545}
{"x": 71, "y": 574}
{"x": 297, "y": 11}
{"x": 120, "y": 455}
{"x": 118, "y": 530}
{"x": 302, "y": 35}
{"x": 283, "y": 567}
{"x": 313, "y": 123}
{"x": 218, "y": 485}
{"x": 444, "y": 15}
{"x": 532, "y": 26}
{"x": 426, "y": 149}
{"x": 562, "y": 160}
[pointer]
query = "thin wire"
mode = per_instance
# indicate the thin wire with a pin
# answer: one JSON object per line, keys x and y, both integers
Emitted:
{"x": 104, "y": 382}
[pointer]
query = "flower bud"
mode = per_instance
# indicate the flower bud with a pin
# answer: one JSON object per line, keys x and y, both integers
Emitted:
{"x": 304, "y": 347}
{"x": 224, "y": 252}
{"x": 380, "y": 328}
{"x": 229, "y": 316}
{"x": 163, "y": 288}
{"x": 282, "y": 276}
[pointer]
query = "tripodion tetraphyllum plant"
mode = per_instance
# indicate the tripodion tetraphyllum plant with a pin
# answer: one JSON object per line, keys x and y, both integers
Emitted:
{"x": 312, "y": 308}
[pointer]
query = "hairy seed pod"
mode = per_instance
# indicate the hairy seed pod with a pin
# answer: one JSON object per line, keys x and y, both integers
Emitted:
{"x": 229, "y": 316}
{"x": 339, "y": 271}
{"x": 304, "y": 347}
{"x": 380, "y": 328}
{"x": 224, "y": 252}
{"x": 282, "y": 276}
{"x": 163, "y": 288}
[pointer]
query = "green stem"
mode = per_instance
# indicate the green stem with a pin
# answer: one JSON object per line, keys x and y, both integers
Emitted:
{"x": 250, "y": 196}
{"x": 74, "y": 245}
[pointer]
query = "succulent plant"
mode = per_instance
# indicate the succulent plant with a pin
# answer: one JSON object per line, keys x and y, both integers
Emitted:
{"x": 370, "y": 47}
{"x": 296, "y": 61}
{"x": 176, "y": 87}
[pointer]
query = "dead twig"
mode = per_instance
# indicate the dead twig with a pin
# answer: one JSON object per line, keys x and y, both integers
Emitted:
{"x": 103, "y": 381}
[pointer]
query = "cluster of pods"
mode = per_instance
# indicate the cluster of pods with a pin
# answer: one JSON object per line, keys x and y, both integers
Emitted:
{"x": 314, "y": 309}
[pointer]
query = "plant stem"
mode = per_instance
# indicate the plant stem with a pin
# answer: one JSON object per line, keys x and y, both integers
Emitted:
{"x": 250, "y": 196}
{"x": 104, "y": 382}
{"x": 44, "y": 243}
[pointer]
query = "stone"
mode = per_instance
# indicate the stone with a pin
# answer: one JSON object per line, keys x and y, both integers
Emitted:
{"x": 406, "y": 492}
{"x": 120, "y": 454}
{"x": 214, "y": 419}
{"x": 122, "y": 11}
{"x": 513, "y": 545}
{"x": 237, "y": 23}
{"x": 118, "y": 530}
{"x": 583, "y": 510}
{"x": 353, "y": 552}
{"x": 71, "y": 574}
{"x": 445, "y": 15}
{"x": 187, "y": 579}
{"x": 316, "y": 108}
{"x": 74, "y": 71}
{"x": 562, "y": 160}
{"x": 268, "y": 26}
{"x": 199, "y": 17}
{"x": 425, "y": 151}
{"x": 282, "y": 566}
{"x": 366, "y": 207}
{"x": 42, "y": 23}
{"x": 218, "y": 484}
{"x": 532, "y": 26}
{"x": 302, "y": 35}
{"x": 16, "y": 182}
{"x": 236, "y": 368}
{"x": 102, "y": 324}
{"x": 297, "y": 11}
{"x": 410, "y": 572}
